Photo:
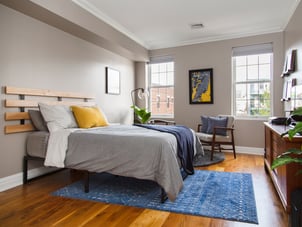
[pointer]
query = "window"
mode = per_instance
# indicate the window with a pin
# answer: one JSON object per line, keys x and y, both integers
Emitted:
{"x": 161, "y": 88}
{"x": 252, "y": 73}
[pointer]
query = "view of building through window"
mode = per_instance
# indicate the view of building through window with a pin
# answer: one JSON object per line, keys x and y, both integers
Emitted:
{"x": 161, "y": 87}
{"x": 252, "y": 85}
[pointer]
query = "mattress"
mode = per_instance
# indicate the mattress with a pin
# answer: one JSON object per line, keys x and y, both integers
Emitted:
{"x": 36, "y": 144}
{"x": 118, "y": 149}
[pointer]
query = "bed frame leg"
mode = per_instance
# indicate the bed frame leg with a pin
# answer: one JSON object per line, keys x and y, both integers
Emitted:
{"x": 163, "y": 196}
{"x": 25, "y": 167}
{"x": 86, "y": 184}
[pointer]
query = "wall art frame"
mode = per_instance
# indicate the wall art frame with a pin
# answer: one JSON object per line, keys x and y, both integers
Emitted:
{"x": 201, "y": 86}
{"x": 113, "y": 81}
{"x": 290, "y": 63}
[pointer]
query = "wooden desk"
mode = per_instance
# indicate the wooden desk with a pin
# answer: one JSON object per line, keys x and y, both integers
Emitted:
{"x": 284, "y": 177}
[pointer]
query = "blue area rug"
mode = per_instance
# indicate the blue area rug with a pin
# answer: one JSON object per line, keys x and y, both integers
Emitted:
{"x": 213, "y": 194}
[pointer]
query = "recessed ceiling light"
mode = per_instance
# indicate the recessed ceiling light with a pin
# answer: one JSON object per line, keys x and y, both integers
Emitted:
{"x": 196, "y": 26}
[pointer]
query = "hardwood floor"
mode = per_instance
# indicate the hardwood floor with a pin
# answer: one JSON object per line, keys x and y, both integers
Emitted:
{"x": 32, "y": 204}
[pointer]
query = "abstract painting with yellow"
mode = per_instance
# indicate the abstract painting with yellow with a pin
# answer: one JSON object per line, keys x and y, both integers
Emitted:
{"x": 201, "y": 91}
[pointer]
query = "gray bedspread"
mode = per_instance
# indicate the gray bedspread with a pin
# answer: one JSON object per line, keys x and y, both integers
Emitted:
{"x": 127, "y": 151}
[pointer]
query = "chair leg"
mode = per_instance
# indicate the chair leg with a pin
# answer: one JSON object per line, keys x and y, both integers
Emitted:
{"x": 234, "y": 151}
{"x": 212, "y": 152}
{"x": 233, "y": 144}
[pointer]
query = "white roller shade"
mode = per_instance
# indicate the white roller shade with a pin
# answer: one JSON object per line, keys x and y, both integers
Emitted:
{"x": 264, "y": 48}
{"x": 160, "y": 59}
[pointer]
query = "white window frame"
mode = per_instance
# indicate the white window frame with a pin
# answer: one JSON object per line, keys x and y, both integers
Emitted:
{"x": 258, "y": 49}
{"x": 156, "y": 60}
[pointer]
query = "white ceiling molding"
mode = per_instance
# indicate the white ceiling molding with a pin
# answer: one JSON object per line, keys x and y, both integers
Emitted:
{"x": 99, "y": 14}
{"x": 163, "y": 24}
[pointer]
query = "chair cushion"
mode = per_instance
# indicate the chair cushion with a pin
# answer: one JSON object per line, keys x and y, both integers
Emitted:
{"x": 231, "y": 120}
{"x": 204, "y": 137}
{"x": 204, "y": 126}
{"x": 217, "y": 122}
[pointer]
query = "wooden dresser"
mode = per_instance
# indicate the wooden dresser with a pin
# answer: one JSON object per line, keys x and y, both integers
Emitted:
{"x": 284, "y": 178}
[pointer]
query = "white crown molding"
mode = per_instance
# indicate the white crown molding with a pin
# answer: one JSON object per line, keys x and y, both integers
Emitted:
{"x": 102, "y": 16}
{"x": 214, "y": 39}
{"x": 291, "y": 13}
{"x": 170, "y": 44}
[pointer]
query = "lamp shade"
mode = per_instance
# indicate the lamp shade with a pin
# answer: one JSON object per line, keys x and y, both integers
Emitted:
{"x": 141, "y": 93}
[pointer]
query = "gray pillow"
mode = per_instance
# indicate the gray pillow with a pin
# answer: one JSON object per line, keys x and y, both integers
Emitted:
{"x": 57, "y": 117}
{"x": 204, "y": 126}
{"x": 217, "y": 121}
{"x": 37, "y": 120}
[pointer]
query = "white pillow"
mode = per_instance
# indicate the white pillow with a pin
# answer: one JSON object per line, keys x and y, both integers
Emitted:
{"x": 57, "y": 117}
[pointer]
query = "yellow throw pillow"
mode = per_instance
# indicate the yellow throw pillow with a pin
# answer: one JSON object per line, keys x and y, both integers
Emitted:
{"x": 88, "y": 117}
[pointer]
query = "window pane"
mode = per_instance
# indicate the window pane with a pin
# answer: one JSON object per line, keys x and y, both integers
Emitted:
{"x": 264, "y": 58}
{"x": 253, "y": 109}
{"x": 252, "y": 95}
{"x": 264, "y": 71}
{"x": 163, "y": 79}
{"x": 155, "y": 78}
{"x": 264, "y": 99}
{"x": 240, "y": 91}
{"x": 240, "y": 61}
{"x": 170, "y": 78}
{"x": 240, "y": 74}
{"x": 163, "y": 67}
{"x": 252, "y": 90}
{"x": 252, "y": 72}
{"x": 252, "y": 59}
{"x": 170, "y": 66}
{"x": 162, "y": 89}
{"x": 162, "y": 101}
{"x": 241, "y": 108}
{"x": 154, "y": 68}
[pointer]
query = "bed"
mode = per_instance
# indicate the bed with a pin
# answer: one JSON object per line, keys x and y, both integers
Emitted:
{"x": 125, "y": 150}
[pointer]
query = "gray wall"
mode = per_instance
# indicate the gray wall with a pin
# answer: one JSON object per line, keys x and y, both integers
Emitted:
{"x": 293, "y": 40}
{"x": 36, "y": 55}
{"x": 71, "y": 18}
{"x": 217, "y": 55}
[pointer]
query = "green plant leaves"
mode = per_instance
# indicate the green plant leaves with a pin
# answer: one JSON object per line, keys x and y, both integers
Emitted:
{"x": 285, "y": 158}
{"x": 292, "y": 155}
{"x": 142, "y": 114}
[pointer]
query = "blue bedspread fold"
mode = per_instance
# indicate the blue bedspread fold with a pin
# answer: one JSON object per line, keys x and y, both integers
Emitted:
{"x": 185, "y": 143}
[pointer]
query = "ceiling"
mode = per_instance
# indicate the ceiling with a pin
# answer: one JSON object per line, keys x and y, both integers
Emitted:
{"x": 167, "y": 23}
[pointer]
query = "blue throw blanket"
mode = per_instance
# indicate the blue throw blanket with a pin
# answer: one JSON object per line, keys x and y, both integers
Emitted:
{"x": 185, "y": 143}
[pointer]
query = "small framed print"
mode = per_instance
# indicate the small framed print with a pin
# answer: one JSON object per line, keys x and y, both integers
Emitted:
{"x": 112, "y": 81}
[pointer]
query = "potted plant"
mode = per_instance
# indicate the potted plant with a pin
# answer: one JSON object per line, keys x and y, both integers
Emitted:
{"x": 292, "y": 155}
{"x": 142, "y": 115}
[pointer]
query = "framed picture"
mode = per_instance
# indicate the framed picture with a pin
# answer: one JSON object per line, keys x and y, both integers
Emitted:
{"x": 290, "y": 63}
{"x": 201, "y": 86}
{"x": 112, "y": 81}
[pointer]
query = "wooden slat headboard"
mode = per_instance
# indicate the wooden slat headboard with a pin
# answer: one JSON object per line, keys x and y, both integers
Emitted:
{"x": 26, "y": 100}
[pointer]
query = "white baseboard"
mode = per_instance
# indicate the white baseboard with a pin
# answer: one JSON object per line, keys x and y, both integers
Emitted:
{"x": 250, "y": 150}
{"x": 246, "y": 150}
{"x": 17, "y": 179}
